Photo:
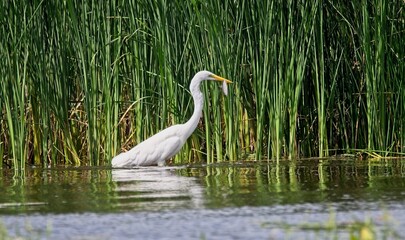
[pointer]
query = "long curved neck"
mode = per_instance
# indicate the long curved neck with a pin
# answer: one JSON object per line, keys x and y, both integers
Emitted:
{"x": 198, "y": 98}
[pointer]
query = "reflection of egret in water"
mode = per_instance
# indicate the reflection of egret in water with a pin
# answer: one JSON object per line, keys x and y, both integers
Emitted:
{"x": 153, "y": 188}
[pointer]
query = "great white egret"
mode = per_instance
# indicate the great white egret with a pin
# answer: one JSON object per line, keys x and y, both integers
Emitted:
{"x": 165, "y": 144}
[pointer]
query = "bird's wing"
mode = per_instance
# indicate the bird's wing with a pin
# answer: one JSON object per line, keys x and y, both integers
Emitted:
{"x": 171, "y": 146}
{"x": 126, "y": 159}
{"x": 154, "y": 150}
{"x": 159, "y": 153}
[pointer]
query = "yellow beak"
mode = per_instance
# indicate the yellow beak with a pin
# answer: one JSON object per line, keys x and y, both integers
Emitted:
{"x": 218, "y": 78}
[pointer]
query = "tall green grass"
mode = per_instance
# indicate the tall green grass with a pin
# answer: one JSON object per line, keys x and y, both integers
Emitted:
{"x": 82, "y": 81}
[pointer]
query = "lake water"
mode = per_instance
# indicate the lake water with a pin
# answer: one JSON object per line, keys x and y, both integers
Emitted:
{"x": 305, "y": 199}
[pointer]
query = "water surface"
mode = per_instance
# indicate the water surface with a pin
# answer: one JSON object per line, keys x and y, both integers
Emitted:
{"x": 304, "y": 199}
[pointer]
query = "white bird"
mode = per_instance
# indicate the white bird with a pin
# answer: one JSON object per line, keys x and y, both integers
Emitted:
{"x": 165, "y": 144}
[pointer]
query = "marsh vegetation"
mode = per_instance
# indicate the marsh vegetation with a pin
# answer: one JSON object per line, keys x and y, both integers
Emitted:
{"x": 84, "y": 80}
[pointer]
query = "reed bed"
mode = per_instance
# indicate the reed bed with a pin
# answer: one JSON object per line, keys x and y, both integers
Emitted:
{"x": 84, "y": 80}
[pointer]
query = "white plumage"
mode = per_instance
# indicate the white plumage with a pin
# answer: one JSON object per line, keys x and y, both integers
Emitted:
{"x": 165, "y": 144}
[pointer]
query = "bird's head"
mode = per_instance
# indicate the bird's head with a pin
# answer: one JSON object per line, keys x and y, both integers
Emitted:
{"x": 206, "y": 75}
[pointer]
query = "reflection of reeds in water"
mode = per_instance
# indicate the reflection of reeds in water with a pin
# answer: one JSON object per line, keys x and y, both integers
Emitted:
{"x": 82, "y": 81}
{"x": 290, "y": 182}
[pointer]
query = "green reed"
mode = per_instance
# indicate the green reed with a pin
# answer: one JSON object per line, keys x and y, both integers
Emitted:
{"x": 15, "y": 66}
{"x": 82, "y": 81}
